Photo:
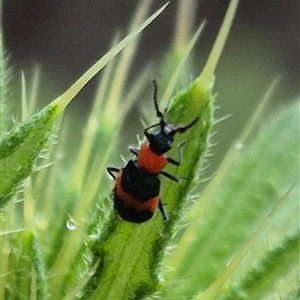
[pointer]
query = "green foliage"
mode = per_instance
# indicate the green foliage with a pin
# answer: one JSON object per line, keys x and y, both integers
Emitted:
{"x": 30, "y": 271}
{"x": 148, "y": 240}
{"x": 4, "y": 88}
{"x": 240, "y": 239}
{"x": 20, "y": 148}
{"x": 275, "y": 264}
{"x": 247, "y": 198}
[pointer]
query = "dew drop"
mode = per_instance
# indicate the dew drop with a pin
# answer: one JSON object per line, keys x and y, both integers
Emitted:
{"x": 239, "y": 145}
{"x": 71, "y": 224}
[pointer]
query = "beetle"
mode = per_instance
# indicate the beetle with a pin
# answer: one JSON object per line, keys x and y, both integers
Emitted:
{"x": 136, "y": 191}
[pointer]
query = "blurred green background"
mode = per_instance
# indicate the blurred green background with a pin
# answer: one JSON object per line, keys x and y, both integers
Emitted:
{"x": 65, "y": 38}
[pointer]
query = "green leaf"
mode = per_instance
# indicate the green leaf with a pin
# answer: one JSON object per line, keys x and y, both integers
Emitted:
{"x": 273, "y": 266}
{"x": 130, "y": 272}
{"x": 259, "y": 176}
{"x": 5, "y": 72}
{"x": 20, "y": 149}
{"x": 29, "y": 275}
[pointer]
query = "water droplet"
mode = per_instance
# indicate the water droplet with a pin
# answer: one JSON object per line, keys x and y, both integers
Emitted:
{"x": 239, "y": 145}
{"x": 71, "y": 224}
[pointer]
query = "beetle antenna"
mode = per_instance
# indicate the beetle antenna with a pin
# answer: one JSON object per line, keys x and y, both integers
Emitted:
{"x": 159, "y": 114}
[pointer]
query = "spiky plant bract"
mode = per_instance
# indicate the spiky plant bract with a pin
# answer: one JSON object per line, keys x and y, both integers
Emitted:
{"x": 60, "y": 238}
